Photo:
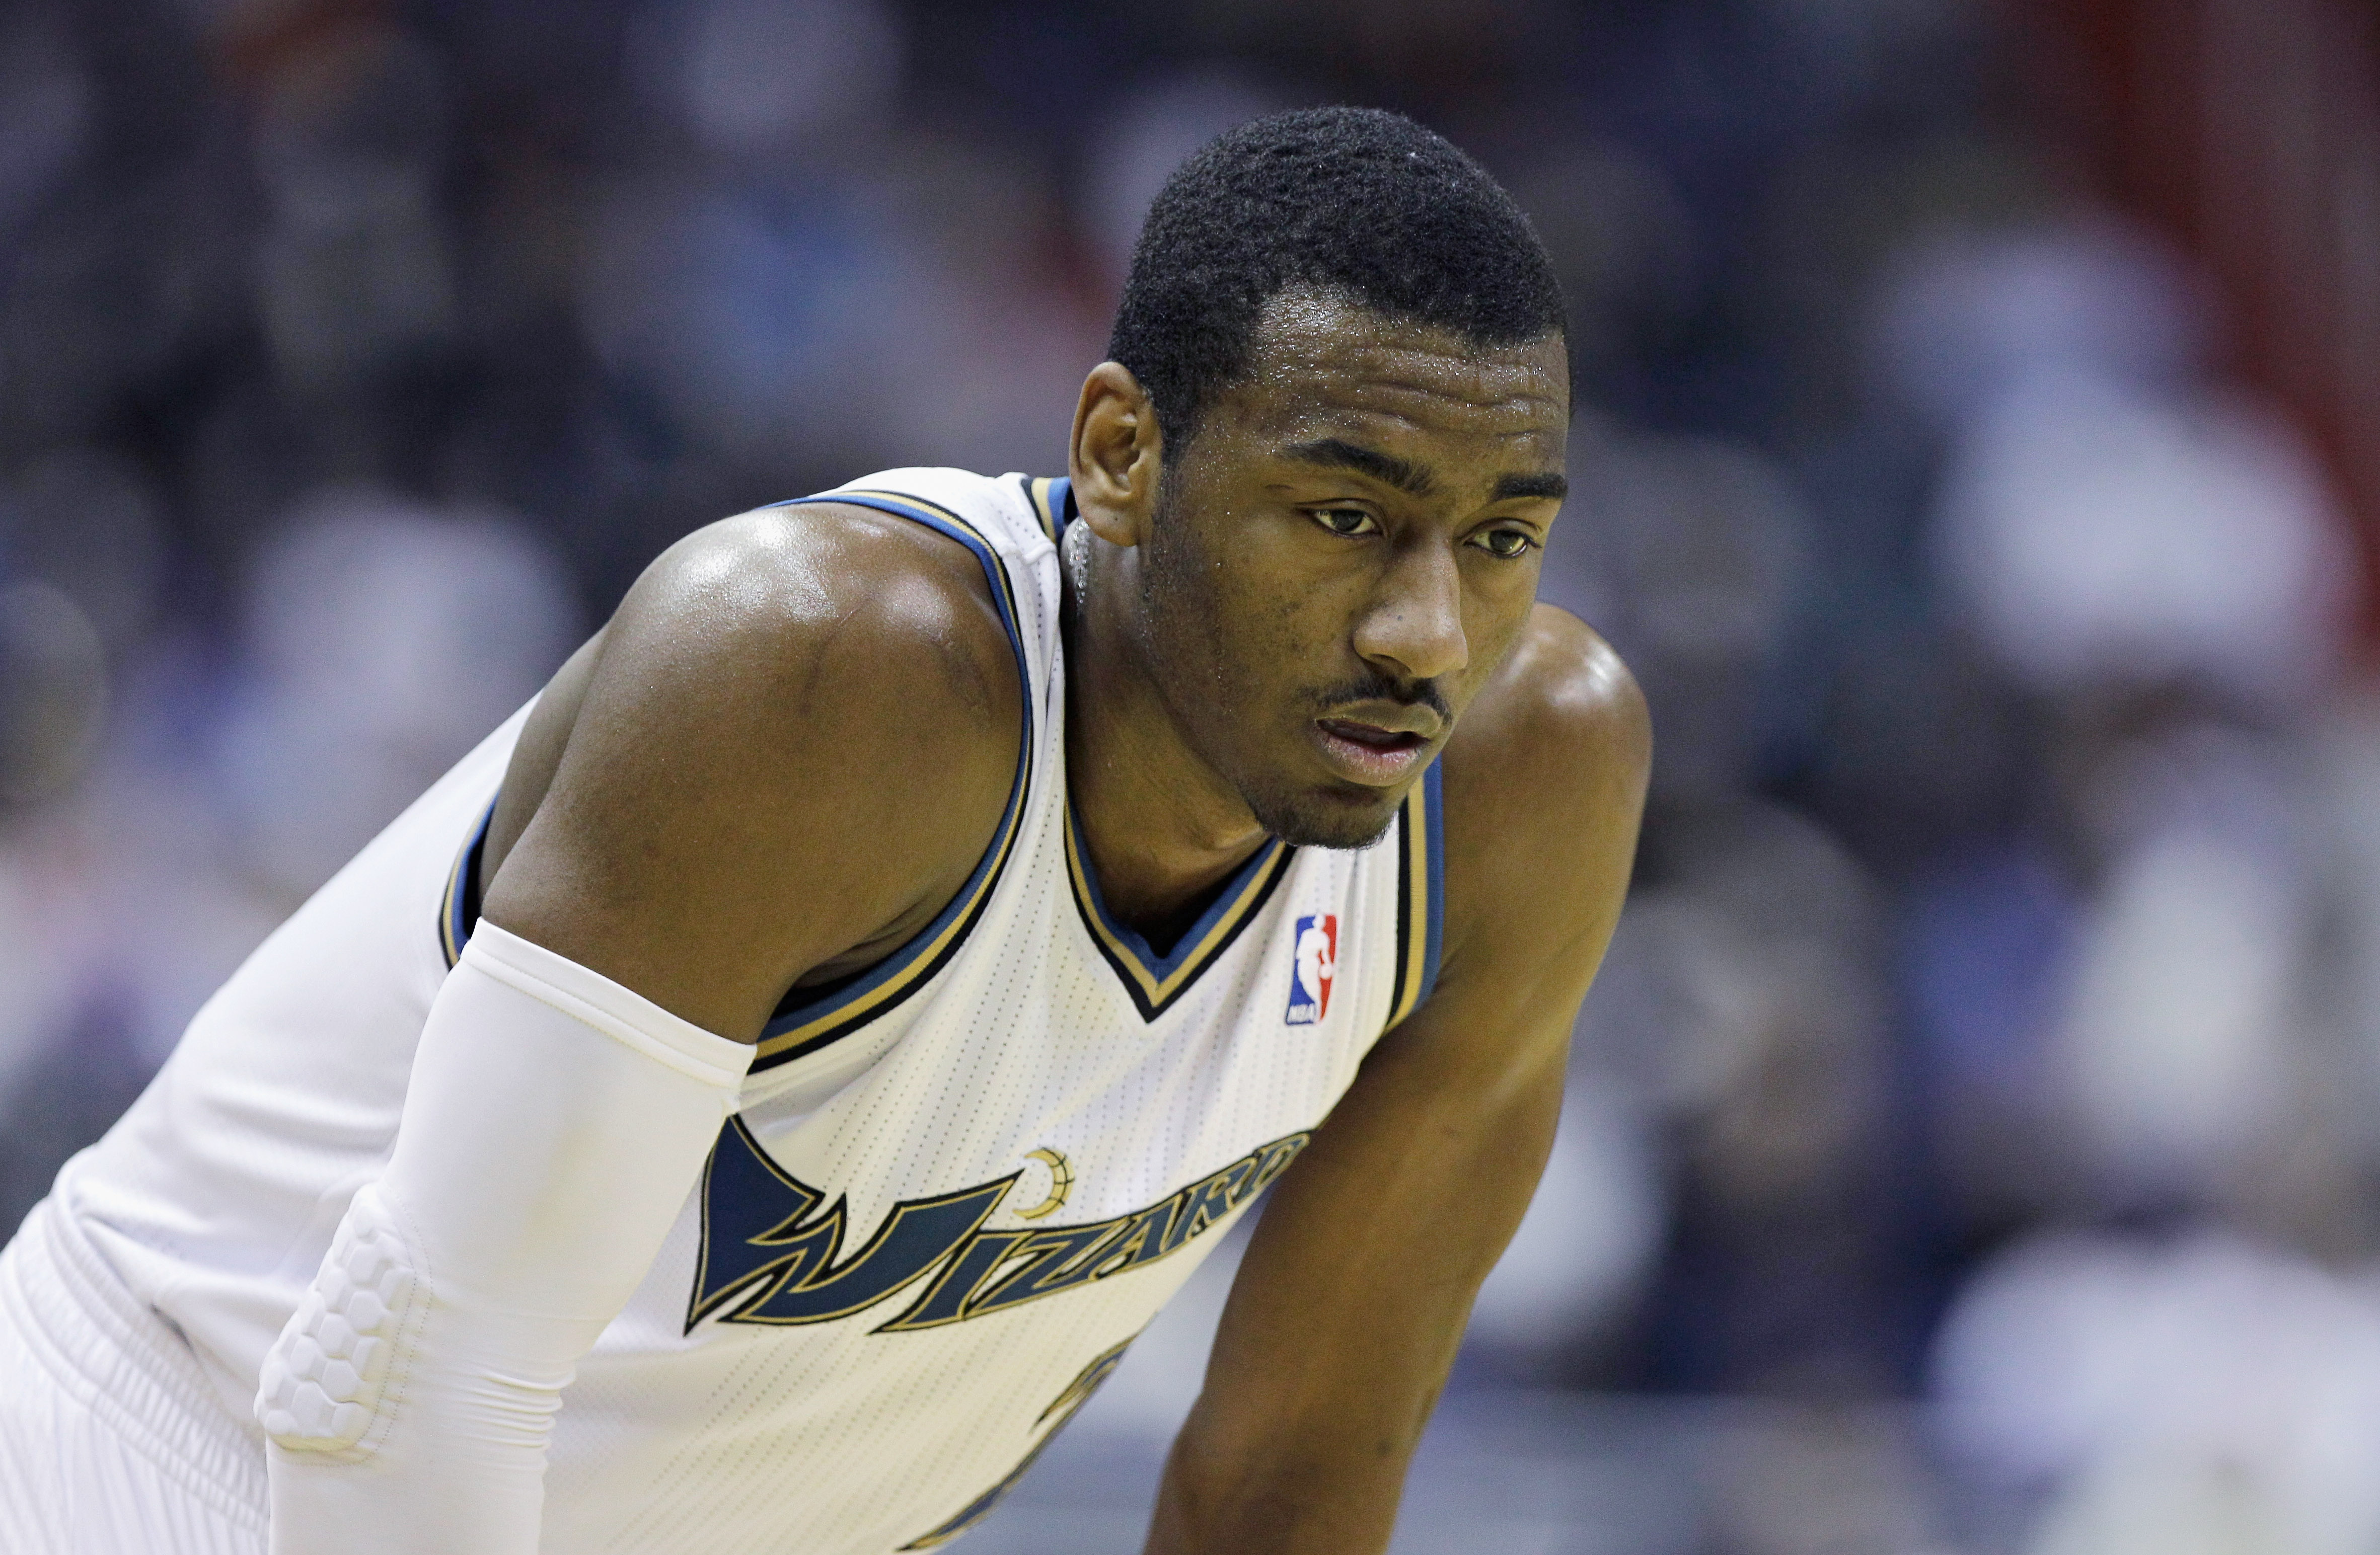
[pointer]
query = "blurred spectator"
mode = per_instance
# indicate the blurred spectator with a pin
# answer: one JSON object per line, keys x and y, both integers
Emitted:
{"x": 755, "y": 81}
{"x": 1624, "y": 241}
{"x": 2171, "y": 1045}
{"x": 2201, "y": 1395}
{"x": 2097, "y": 533}
{"x": 1149, "y": 133}
{"x": 52, "y": 689}
{"x": 1741, "y": 1001}
{"x": 353, "y": 276}
{"x": 1963, "y": 317}
{"x": 382, "y": 640}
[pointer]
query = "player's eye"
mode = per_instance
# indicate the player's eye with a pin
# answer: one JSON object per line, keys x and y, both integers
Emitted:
{"x": 1509, "y": 544}
{"x": 1345, "y": 521}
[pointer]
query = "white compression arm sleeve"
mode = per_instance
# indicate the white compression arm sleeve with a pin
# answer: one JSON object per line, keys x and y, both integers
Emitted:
{"x": 553, "y": 1128}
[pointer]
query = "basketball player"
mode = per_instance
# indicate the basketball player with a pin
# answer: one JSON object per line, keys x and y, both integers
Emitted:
{"x": 756, "y": 1097}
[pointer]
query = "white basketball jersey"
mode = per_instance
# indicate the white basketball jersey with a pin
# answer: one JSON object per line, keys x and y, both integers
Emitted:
{"x": 957, "y": 1185}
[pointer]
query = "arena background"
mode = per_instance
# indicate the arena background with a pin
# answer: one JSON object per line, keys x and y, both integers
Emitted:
{"x": 1971, "y": 1144}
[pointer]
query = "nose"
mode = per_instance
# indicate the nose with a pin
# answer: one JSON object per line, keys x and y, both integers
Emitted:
{"x": 1414, "y": 620}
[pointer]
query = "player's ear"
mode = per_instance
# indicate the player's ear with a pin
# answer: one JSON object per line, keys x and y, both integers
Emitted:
{"x": 1116, "y": 456}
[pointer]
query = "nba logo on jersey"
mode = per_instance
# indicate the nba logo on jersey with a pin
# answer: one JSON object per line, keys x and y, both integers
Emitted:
{"x": 1310, "y": 972}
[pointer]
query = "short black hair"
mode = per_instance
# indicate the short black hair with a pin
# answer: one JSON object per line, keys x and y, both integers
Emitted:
{"x": 1357, "y": 202}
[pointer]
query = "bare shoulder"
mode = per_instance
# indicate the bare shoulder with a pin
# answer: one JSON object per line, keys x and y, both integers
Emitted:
{"x": 794, "y": 735}
{"x": 1543, "y": 784}
{"x": 1559, "y": 722}
{"x": 1557, "y": 703}
{"x": 823, "y": 612}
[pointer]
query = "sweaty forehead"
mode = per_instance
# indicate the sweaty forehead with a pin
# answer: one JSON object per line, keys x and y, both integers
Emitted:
{"x": 1317, "y": 358}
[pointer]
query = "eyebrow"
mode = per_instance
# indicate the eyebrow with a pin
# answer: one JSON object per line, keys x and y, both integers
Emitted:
{"x": 1408, "y": 477}
{"x": 1339, "y": 453}
{"x": 1551, "y": 484}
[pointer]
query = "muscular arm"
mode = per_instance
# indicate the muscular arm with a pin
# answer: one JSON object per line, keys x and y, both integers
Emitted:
{"x": 783, "y": 754}
{"x": 1348, "y": 1309}
{"x": 791, "y": 742}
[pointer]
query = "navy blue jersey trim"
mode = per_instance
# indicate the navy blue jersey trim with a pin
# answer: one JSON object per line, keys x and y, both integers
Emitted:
{"x": 459, "y": 906}
{"x": 1421, "y": 895}
{"x": 1434, "y": 832}
{"x": 1156, "y": 981}
{"x": 1051, "y": 499}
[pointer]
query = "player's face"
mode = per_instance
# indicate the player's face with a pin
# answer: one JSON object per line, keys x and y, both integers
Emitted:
{"x": 1343, "y": 554}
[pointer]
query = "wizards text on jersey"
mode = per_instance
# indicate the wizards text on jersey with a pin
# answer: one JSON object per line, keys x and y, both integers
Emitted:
{"x": 763, "y": 1243}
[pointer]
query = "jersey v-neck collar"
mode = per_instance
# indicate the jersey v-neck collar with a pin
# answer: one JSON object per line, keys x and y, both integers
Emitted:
{"x": 1154, "y": 982}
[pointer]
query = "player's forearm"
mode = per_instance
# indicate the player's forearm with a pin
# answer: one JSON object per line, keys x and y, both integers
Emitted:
{"x": 1349, "y": 1306}
{"x": 1337, "y": 1495}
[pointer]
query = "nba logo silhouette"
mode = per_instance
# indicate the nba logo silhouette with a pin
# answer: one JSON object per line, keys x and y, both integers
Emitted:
{"x": 1311, "y": 968}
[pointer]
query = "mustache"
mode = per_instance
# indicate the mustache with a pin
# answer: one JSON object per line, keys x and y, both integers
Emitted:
{"x": 1376, "y": 687}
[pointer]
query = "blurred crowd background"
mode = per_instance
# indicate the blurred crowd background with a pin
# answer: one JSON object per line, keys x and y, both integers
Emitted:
{"x": 1985, "y": 1082}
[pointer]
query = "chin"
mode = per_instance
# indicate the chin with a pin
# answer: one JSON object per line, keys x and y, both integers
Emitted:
{"x": 1326, "y": 818}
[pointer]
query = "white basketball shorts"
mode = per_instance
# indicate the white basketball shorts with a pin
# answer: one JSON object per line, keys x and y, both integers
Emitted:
{"x": 111, "y": 1442}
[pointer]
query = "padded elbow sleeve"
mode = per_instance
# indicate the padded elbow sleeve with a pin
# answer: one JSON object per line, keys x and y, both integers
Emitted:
{"x": 553, "y": 1124}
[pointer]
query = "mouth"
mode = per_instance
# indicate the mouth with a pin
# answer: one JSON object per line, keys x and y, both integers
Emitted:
{"x": 1369, "y": 753}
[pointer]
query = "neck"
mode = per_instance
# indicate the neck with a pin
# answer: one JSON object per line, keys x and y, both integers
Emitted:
{"x": 1163, "y": 828}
